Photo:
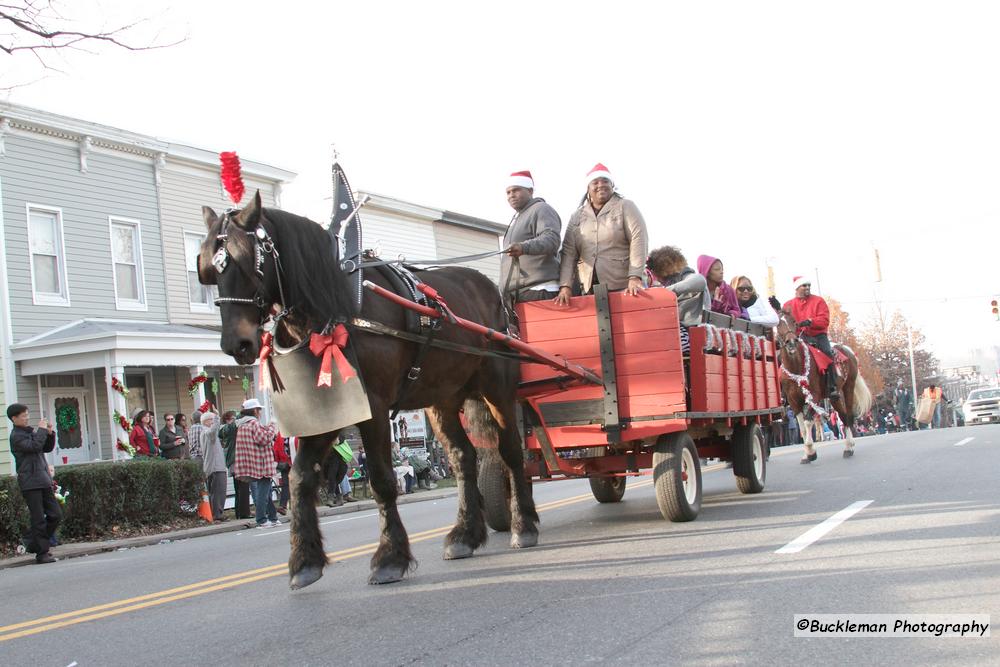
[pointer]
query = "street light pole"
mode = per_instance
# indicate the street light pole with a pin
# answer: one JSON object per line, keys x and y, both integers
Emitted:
{"x": 909, "y": 333}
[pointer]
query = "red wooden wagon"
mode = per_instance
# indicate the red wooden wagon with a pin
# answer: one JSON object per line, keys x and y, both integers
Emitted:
{"x": 656, "y": 408}
{"x": 611, "y": 395}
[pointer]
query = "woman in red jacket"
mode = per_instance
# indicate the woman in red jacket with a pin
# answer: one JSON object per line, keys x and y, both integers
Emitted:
{"x": 142, "y": 437}
{"x": 284, "y": 463}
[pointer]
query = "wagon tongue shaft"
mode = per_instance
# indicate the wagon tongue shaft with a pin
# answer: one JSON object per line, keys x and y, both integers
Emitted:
{"x": 542, "y": 357}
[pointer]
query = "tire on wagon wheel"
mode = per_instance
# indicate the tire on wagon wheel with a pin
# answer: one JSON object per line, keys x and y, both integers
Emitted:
{"x": 494, "y": 485}
{"x": 608, "y": 489}
{"x": 749, "y": 458}
{"x": 677, "y": 477}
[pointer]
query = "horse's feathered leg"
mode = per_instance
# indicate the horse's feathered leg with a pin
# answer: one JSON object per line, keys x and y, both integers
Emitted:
{"x": 469, "y": 532}
{"x": 307, "y": 559}
{"x": 393, "y": 558}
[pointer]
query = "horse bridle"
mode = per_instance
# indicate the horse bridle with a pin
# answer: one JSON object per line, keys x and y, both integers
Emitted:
{"x": 263, "y": 247}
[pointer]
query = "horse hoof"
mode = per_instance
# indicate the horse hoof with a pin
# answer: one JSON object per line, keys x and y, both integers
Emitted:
{"x": 523, "y": 540}
{"x": 848, "y": 453}
{"x": 457, "y": 550}
{"x": 310, "y": 574}
{"x": 386, "y": 574}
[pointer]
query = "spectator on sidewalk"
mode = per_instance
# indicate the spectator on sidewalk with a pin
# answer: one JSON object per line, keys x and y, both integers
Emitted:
{"x": 283, "y": 462}
{"x": 404, "y": 471}
{"x": 142, "y": 438}
{"x": 194, "y": 431}
{"x": 181, "y": 420}
{"x": 241, "y": 489}
{"x": 255, "y": 460}
{"x": 29, "y": 446}
{"x": 335, "y": 468}
{"x": 213, "y": 462}
{"x": 171, "y": 438}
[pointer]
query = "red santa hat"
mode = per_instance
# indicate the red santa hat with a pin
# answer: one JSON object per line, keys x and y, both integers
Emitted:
{"x": 799, "y": 281}
{"x": 521, "y": 179}
{"x": 599, "y": 171}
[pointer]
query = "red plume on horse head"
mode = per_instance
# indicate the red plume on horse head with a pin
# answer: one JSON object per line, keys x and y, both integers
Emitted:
{"x": 232, "y": 178}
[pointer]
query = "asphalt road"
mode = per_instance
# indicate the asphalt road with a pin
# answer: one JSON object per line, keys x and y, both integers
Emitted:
{"x": 607, "y": 583}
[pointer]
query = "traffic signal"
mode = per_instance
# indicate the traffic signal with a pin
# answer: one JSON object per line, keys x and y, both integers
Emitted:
{"x": 996, "y": 311}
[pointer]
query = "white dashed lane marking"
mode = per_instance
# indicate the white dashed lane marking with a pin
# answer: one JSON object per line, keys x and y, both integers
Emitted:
{"x": 816, "y": 532}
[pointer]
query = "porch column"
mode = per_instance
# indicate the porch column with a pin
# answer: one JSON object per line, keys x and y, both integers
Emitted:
{"x": 115, "y": 402}
{"x": 199, "y": 396}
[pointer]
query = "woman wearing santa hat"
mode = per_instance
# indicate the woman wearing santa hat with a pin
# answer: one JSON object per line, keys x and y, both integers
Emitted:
{"x": 606, "y": 241}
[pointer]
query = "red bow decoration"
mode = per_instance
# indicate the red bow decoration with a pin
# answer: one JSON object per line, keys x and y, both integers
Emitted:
{"x": 232, "y": 179}
{"x": 266, "y": 346}
{"x": 329, "y": 347}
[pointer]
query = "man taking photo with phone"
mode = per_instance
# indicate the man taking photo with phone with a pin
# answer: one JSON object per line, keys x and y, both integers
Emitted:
{"x": 29, "y": 446}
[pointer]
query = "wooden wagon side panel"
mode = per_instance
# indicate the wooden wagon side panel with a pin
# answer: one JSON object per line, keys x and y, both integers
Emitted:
{"x": 650, "y": 379}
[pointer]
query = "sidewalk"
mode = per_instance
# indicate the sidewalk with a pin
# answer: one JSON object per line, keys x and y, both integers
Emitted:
{"x": 77, "y": 549}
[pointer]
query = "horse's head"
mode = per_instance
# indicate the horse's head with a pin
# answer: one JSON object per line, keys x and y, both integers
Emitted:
{"x": 239, "y": 256}
{"x": 787, "y": 329}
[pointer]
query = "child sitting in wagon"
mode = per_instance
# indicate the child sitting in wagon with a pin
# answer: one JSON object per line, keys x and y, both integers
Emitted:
{"x": 670, "y": 269}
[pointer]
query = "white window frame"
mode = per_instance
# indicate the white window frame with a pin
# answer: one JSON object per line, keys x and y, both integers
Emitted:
{"x": 44, "y": 298}
{"x": 128, "y": 304}
{"x": 196, "y": 307}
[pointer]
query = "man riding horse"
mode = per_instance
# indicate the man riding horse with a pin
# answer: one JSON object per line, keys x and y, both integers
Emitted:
{"x": 812, "y": 317}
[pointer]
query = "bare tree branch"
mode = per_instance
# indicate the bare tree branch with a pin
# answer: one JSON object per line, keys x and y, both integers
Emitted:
{"x": 38, "y": 27}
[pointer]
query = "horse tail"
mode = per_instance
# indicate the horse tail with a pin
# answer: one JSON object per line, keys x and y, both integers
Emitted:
{"x": 862, "y": 396}
{"x": 482, "y": 426}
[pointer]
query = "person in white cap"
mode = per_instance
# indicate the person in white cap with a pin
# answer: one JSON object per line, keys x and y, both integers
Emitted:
{"x": 255, "y": 460}
{"x": 606, "y": 241}
{"x": 532, "y": 239}
{"x": 812, "y": 316}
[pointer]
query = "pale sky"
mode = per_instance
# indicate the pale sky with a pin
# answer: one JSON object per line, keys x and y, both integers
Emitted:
{"x": 802, "y": 132}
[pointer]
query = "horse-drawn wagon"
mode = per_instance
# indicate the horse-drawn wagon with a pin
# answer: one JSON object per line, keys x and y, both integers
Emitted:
{"x": 655, "y": 408}
{"x": 605, "y": 390}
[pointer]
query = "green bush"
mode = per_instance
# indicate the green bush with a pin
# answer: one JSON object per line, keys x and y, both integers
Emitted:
{"x": 13, "y": 513}
{"x": 133, "y": 494}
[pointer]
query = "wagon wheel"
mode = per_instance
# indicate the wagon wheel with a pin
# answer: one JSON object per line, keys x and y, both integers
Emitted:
{"x": 494, "y": 485}
{"x": 677, "y": 477}
{"x": 608, "y": 489}
{"x": 749, "y": 458}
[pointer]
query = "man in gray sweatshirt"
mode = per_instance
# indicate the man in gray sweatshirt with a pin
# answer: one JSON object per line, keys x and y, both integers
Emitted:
{"x": 529, "y": 270}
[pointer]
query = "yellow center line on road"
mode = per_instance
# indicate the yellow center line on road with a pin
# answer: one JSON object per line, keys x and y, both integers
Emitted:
{"x": 39, "y": 625}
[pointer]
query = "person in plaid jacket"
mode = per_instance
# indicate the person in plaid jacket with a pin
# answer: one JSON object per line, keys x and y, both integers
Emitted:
{"x": 255, "y": 460}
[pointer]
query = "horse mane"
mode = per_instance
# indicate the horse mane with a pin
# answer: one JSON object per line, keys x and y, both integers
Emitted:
{"x": 313, "y": 281}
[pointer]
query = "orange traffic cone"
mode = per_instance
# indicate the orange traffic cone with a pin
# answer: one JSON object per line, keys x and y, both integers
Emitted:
{"x": 204, "y": 509}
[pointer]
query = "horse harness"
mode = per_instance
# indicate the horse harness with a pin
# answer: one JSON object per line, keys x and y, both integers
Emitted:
{"x": 399, "y": 275}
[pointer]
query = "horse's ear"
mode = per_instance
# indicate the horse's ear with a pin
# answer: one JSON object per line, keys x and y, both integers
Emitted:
{"x": 209, "y": 215}
{"x": 249, "y": 217}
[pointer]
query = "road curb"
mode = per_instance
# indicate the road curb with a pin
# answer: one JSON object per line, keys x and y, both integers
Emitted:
{"x": 78, "y": 549}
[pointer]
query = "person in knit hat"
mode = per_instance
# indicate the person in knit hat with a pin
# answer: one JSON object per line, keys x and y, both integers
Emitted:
{"x": 812, "y": 316}
{"x": 529, "y": 268}
{"x": 606, "y": 241}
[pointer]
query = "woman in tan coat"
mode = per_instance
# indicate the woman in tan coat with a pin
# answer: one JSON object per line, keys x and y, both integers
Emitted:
{"x": 605, "y": 242}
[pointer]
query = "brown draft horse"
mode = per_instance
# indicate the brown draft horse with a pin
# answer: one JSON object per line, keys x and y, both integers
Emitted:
{"x": 316, "y": 291}
{"x": 798, "y": 370}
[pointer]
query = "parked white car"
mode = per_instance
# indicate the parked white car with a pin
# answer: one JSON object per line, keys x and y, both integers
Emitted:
{"x": 982, "y": 407}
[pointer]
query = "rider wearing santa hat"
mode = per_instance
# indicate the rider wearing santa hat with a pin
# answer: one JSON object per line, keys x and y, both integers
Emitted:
{"x": 532, "y": 238}
{"x": 813, "y": 318}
